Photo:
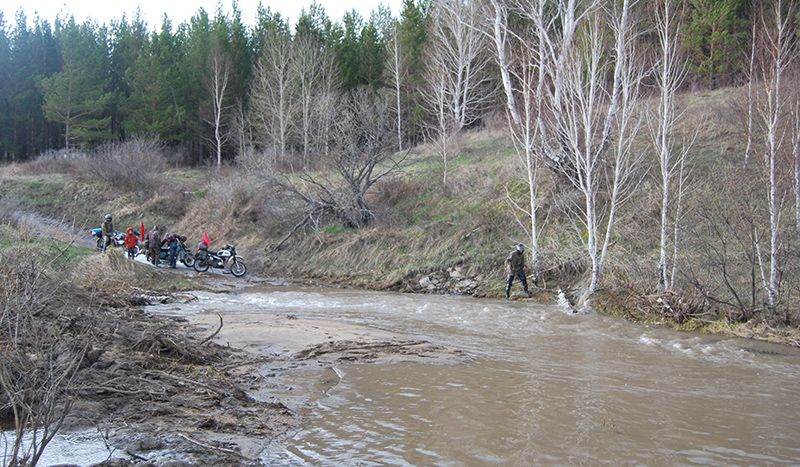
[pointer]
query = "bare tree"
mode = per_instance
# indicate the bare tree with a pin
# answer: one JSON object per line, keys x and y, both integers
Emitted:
{"x": 796, "y": 153}
{"x": 670, "y": 75}
{"x": 361, "y": 154}
{"x": 459, "y": 84}
{"x": 273, "y": 106}
{"x": 524, "y": 111}
{"x": 498, "y": 33}
{"x": 241, "y": 129}
{"x": 396, "y": 70}
{"x": 313, "y": 67}
{"x": 437, "y": 94}
{"x": 217, "y": 84}
{"x": 593, "y": 90}
{"x": 776, "y": 50}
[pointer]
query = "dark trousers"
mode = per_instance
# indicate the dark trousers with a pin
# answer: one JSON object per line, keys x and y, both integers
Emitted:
{"x": 173, "y": 253}
{"x": 522, "y": 278}
{"x": 131, "y": 254}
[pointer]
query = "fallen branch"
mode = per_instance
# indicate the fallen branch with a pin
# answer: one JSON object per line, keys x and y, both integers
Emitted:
{"x": 215, "y": 448}
{"x": 188, "y": 381}
{"x": 215, "y": 332}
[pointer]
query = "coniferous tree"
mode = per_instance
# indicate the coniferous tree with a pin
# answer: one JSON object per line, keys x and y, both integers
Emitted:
{"x": 77, "y": 97}
{"x": 34, "y": 54}
{"x": 129, "y": 40}
{"x": 413, "y": 36}
{"x": 6, "y": 126}
{"x": 348, "y": 52}
{"x": 153, "y": 107}
{"x": 715, "y": 37}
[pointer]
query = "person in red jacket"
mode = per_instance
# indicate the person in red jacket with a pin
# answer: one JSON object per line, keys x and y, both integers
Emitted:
{"x": 131, "y": 241}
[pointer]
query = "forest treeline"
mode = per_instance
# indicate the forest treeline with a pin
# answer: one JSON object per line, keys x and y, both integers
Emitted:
{"x": 219, "y": 84}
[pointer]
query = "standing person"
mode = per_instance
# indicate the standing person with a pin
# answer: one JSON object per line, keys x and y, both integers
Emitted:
{"x": 131, "y": 241}
{"x": 154, "y": 239}
{"x": 108, "y": 231}
{"x": 173, "y": 240}
{"x": 515, "y": 264}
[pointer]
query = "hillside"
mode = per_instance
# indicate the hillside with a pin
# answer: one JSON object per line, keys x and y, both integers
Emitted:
{"x": 433, "y": 238}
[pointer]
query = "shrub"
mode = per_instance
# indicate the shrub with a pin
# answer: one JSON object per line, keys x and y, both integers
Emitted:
{"x": 133, "y": 164}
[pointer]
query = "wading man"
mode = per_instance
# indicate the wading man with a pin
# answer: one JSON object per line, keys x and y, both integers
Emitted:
{"x": 515, "y": 263}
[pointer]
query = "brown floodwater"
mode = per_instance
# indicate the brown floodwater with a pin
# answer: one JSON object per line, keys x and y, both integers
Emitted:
{"x": 544, "y": 387}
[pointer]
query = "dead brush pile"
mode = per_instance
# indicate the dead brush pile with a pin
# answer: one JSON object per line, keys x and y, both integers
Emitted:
{"x": 78, "y": 355}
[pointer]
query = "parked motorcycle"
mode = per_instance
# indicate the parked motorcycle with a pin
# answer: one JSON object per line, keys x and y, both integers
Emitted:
{"x": 117, "y": 239}
{"x": 204, "y": 259}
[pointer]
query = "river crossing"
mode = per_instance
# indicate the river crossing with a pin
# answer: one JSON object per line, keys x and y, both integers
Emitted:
{"x": 543, "y": 387}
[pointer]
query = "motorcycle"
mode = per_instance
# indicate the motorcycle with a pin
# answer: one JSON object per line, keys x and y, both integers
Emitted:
{"x": 204, "y": 259}
{"x": 183, "y": 255}
{"x": 117, "y": 239}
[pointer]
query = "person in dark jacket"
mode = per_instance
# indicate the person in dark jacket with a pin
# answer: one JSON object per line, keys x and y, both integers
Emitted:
{"x": 108, "y": 231}
{"x": 154, "y": 244}
{"x": 515, "y": 264}
{"x": 173, "y": 240}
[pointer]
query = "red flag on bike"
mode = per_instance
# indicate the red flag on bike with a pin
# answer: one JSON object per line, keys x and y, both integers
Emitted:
{"x": 206, "y": 240}
{"x": 142, "y": 237}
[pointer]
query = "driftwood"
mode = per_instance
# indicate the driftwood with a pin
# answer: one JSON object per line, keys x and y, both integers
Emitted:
{"x": 214, "y": 448}
{"x": 207, "y": 339}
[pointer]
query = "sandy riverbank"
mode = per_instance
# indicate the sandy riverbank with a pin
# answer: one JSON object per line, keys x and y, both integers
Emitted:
{"x": 175, "y": 387}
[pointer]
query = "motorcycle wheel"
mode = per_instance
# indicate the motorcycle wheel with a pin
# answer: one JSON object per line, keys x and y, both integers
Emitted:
{"x": 201, "y": 265}
{"x": 100, "y": 242}
{"x": 136, "y": 251}
{"x": 238, "y": 268}
{"x": 188, "y": 260}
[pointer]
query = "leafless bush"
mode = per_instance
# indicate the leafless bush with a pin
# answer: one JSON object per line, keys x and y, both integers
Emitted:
{"x": 253, "y": 161}
{"x": 133, "y": 164}
{"x": 9, "y": 212}
{"x": 37, "y": 362}
{"x": 230, "y": 197}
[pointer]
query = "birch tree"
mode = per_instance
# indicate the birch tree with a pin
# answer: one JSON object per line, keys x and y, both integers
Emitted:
{"x": 458, "y": 85}
{"x": 272, "y": 103}
{"x": 396, "y": 70}
{"x": 311, "y": 67}
{"x": 437, "y": 94}
{"x": 671, "y": 71}
{"x": 776, "y": 51}
{"x": 217, "y": 84}
{"x": 524, "y": 116}
{"x": 594, "y": 91}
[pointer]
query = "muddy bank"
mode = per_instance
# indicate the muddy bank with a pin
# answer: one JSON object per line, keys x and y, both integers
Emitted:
{"x": 212, "y": 390}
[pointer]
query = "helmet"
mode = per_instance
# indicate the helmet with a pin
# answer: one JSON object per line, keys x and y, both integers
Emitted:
{"x": 108, "y": 217}
{"x": 202, "y": 246}
{"x": 520, "y": 247}
{"x": 183, "y": 238}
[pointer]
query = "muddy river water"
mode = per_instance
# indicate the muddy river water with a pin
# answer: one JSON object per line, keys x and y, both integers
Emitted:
{"x": 543, "y": 387}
